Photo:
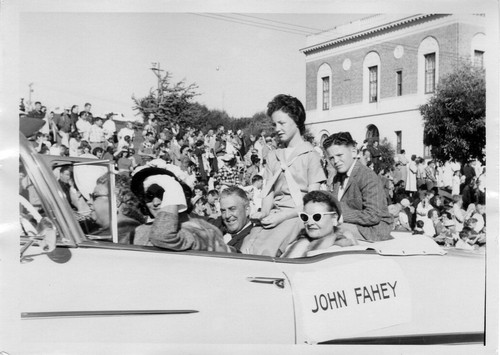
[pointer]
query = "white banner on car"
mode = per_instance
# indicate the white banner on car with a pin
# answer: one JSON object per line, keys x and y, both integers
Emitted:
{"x": 351, "y": 299}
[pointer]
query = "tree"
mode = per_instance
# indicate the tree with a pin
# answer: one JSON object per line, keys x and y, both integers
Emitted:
{"x": 200, "y": 117}
{"x": 169, "y": 103}
{"x": 387, "y": 153}
{"x": 257, "y": 124}
{"x": 454, "y": 117}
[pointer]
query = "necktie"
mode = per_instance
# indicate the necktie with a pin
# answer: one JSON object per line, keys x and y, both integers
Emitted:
{"x": 341, "y": 179}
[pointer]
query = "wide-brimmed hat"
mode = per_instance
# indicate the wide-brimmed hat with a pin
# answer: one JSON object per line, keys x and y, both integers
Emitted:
{"x": 137, "y": 183}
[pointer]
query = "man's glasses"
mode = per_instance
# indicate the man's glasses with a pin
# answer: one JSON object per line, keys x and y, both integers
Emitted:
{"x": 94, "y": 196}
{"x": 316, "y": 217}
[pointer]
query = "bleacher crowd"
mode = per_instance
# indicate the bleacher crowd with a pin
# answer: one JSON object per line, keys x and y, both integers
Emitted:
{"x": 443, "y": 201}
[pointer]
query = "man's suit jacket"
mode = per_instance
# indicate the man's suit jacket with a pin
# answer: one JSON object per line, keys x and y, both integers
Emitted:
{"x": 364, "y": 203}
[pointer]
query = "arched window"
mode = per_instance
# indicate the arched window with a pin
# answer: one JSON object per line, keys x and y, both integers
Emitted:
{"x": 372, "y": 133}
{"x": 428, "y": 65}
{"x": 324, "y": 84}
{"x": 371, "y": 78}
{"x": 478, "y": 46}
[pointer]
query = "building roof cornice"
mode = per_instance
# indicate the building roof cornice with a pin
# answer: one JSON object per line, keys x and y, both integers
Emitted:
{"x": 364, "y": 28}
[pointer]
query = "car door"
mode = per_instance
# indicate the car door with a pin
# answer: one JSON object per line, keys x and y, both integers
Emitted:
{"x": 99, "y": 291}
{"x": 111, "y": 293}
{"x": 361, "y": 297}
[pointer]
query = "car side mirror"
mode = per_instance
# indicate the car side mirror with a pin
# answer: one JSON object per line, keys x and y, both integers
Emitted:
{"x": 48, "y": 231}
{"x": 43, "y": 237}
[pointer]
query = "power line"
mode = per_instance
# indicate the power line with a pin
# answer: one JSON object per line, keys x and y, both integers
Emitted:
{"x": 284, "y": 23}
{"x": 253, "y": 24}
{"x": 257, "y": 24}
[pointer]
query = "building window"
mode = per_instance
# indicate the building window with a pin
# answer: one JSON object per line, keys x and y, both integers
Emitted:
{"x": 399, "y": 139}
{"x": 479, "y": 58}
{"x": 373, "y": 71}
{"x": 326, "y": 93}
{"x": 430, "y": 72}
{"x": 399, "y": 83}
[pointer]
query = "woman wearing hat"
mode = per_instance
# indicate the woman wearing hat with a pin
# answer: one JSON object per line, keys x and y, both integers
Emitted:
{"x": 166, "y": 201}
{"x": 321, "y": 215}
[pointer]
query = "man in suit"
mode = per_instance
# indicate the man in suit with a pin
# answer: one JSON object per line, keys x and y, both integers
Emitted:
{"x": 359, "y": 190}
{"x": 235, "y": 215}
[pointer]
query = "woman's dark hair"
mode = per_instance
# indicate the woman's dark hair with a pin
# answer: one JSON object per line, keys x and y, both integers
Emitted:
{"x": 123, "y": 154}
{"x": 433, "y": 202}
{"x": 200, "y": 187}
{"x": 400, "y": 183}
{"x": 75, "y": 134}
{"x": 291, "y": 106}
{"x": 431, "y": 211}
{"x": 96, "y": 150}
{"x": 323, "y": 197}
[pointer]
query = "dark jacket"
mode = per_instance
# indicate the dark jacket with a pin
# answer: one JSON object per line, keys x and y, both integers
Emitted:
{"x": 237, "y": 238}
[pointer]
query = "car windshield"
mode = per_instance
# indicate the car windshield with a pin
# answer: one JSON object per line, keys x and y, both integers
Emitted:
{"x": 38, "y": 209}
{"x": 86, "y": 187}
{"x": 61, "y": 192}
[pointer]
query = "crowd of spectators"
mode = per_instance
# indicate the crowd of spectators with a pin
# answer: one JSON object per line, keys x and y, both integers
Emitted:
{"x": 444, "y": 201}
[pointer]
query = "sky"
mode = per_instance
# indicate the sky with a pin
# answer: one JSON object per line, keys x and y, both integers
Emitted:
{"x": 239, "y": 61}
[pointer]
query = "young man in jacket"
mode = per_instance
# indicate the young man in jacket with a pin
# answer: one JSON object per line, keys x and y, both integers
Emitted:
{"x": 359, "y": 190}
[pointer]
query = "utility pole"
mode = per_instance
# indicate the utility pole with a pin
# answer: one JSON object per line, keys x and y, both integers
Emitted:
{"x": 157, "y": 71}
{"x": 29, "y": 94}
{"x": 221, "y": 76}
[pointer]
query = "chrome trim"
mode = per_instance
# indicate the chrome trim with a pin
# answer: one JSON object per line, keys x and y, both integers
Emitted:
{"x": 70, "y": 314}
{"x": 415, "y": 339}
{"x": 278, "y": 281}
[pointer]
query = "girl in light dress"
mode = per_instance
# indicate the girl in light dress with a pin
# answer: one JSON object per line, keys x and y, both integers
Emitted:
{"x": 291, "y": 172}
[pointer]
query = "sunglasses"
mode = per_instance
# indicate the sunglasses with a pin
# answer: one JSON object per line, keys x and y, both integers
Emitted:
{"x": 154, "y": 192}
{"x": 94, "y": 196}
{"x": 316, "y": 217}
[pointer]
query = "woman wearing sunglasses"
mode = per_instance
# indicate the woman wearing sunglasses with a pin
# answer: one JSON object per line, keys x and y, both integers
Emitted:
{"x": 167, "y": 202}
{"x": 129, "y": 216}
{"x": 320, "y": 217}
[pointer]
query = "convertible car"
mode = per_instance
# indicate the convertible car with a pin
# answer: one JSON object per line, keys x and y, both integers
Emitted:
{"x": 79, "y": 288}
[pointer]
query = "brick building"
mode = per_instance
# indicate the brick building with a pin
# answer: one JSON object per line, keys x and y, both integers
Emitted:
{"x": 370, "y": 76}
